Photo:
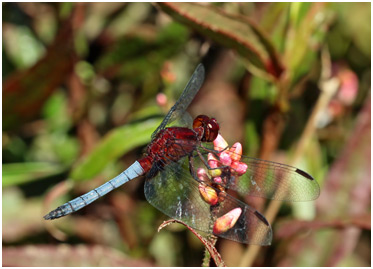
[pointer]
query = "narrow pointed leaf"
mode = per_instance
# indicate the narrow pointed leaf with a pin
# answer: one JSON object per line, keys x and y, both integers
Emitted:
{"x": 116, "y": 143}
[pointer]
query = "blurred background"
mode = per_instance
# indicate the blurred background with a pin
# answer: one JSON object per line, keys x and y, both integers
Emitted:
{"x": 290, "y": 81}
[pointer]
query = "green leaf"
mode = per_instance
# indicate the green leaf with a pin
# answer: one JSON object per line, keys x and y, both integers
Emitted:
{"x": 308, "y": 25}
{"x": 115, "y": 144}
{"x": 233, "y": 31}
{"x": 19, "y": 173}
{"x": 22, "y": 46}
{"x": 55, "y": 112}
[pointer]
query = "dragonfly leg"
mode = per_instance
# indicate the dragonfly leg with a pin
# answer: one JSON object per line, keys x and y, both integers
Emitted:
{"x": 207, "y": 164}
{"x": 214, "y": 151}
{"x": 192, "y": 170}
{"x": 193, "y": 173}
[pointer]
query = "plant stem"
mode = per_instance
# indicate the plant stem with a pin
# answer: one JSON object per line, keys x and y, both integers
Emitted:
{"x": 328, "y": 87}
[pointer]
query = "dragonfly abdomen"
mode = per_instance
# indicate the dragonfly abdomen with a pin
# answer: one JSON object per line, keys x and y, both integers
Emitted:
{"x": 132, "y": 172}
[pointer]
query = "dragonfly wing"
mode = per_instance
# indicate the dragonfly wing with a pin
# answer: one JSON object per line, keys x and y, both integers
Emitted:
{"x": 276, "y": 181}
{"x": 175, "y": 192}
{"x": 188, "y": 94}
{"x": 271, "y": 180}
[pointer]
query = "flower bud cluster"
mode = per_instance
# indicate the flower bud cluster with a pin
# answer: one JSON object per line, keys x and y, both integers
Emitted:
{"x": 224, "y": 164}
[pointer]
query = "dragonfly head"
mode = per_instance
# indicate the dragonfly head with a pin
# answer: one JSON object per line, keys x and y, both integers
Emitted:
{"x": 207, "y": 128}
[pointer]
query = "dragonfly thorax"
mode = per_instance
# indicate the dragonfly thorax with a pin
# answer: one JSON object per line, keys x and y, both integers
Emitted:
{"x": 173, "y": 143}
{"x": 170, "y": 145}
{"x": 207, "y": 128}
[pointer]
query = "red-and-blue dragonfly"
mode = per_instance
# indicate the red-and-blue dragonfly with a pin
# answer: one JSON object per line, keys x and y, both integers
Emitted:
{"x": 175, "y": 182}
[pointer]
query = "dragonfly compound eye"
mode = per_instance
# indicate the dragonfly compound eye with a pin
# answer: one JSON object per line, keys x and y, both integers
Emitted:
{"x": 200, "y": 120}
{"x": 207, "y": 128}
{"x": 211, "y": 130}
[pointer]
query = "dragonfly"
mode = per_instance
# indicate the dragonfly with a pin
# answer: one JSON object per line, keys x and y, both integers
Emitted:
{"x": 189, "y": 180}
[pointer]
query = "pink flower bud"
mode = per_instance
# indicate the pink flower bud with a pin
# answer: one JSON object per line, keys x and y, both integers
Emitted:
{"x": 202, "y": 174}
{"x": 208, "y": 194}
{"x": 161, "y": 99}
{"x": 220, "y": 143}
{"x": 218, "y": 180}
{"x": 225, "y": 158}
{"x": 236, "y": 152}
{"x": 349, "y": 87}
{"x": 212, "y": 161}
{"x": 239, "y": 167}
{"x": 227, "y": 221}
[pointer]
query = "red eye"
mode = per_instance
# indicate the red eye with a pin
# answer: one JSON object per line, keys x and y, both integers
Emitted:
{"x": 213, "y": 130}
{"x": 200, "y": 120}
{"x": 207, "y": 128}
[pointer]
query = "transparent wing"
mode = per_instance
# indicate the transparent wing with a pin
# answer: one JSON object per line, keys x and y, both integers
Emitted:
{"x": 175, "y": 192}
{"x": 190, "y": 91}
{"x": 270, "y": 180}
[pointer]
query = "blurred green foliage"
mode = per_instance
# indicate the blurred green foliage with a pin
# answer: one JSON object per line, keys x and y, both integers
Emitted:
{"x": 79, "y": 106}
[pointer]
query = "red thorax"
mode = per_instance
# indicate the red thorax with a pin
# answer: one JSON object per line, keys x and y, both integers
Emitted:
{"x": 173, "y": 143}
